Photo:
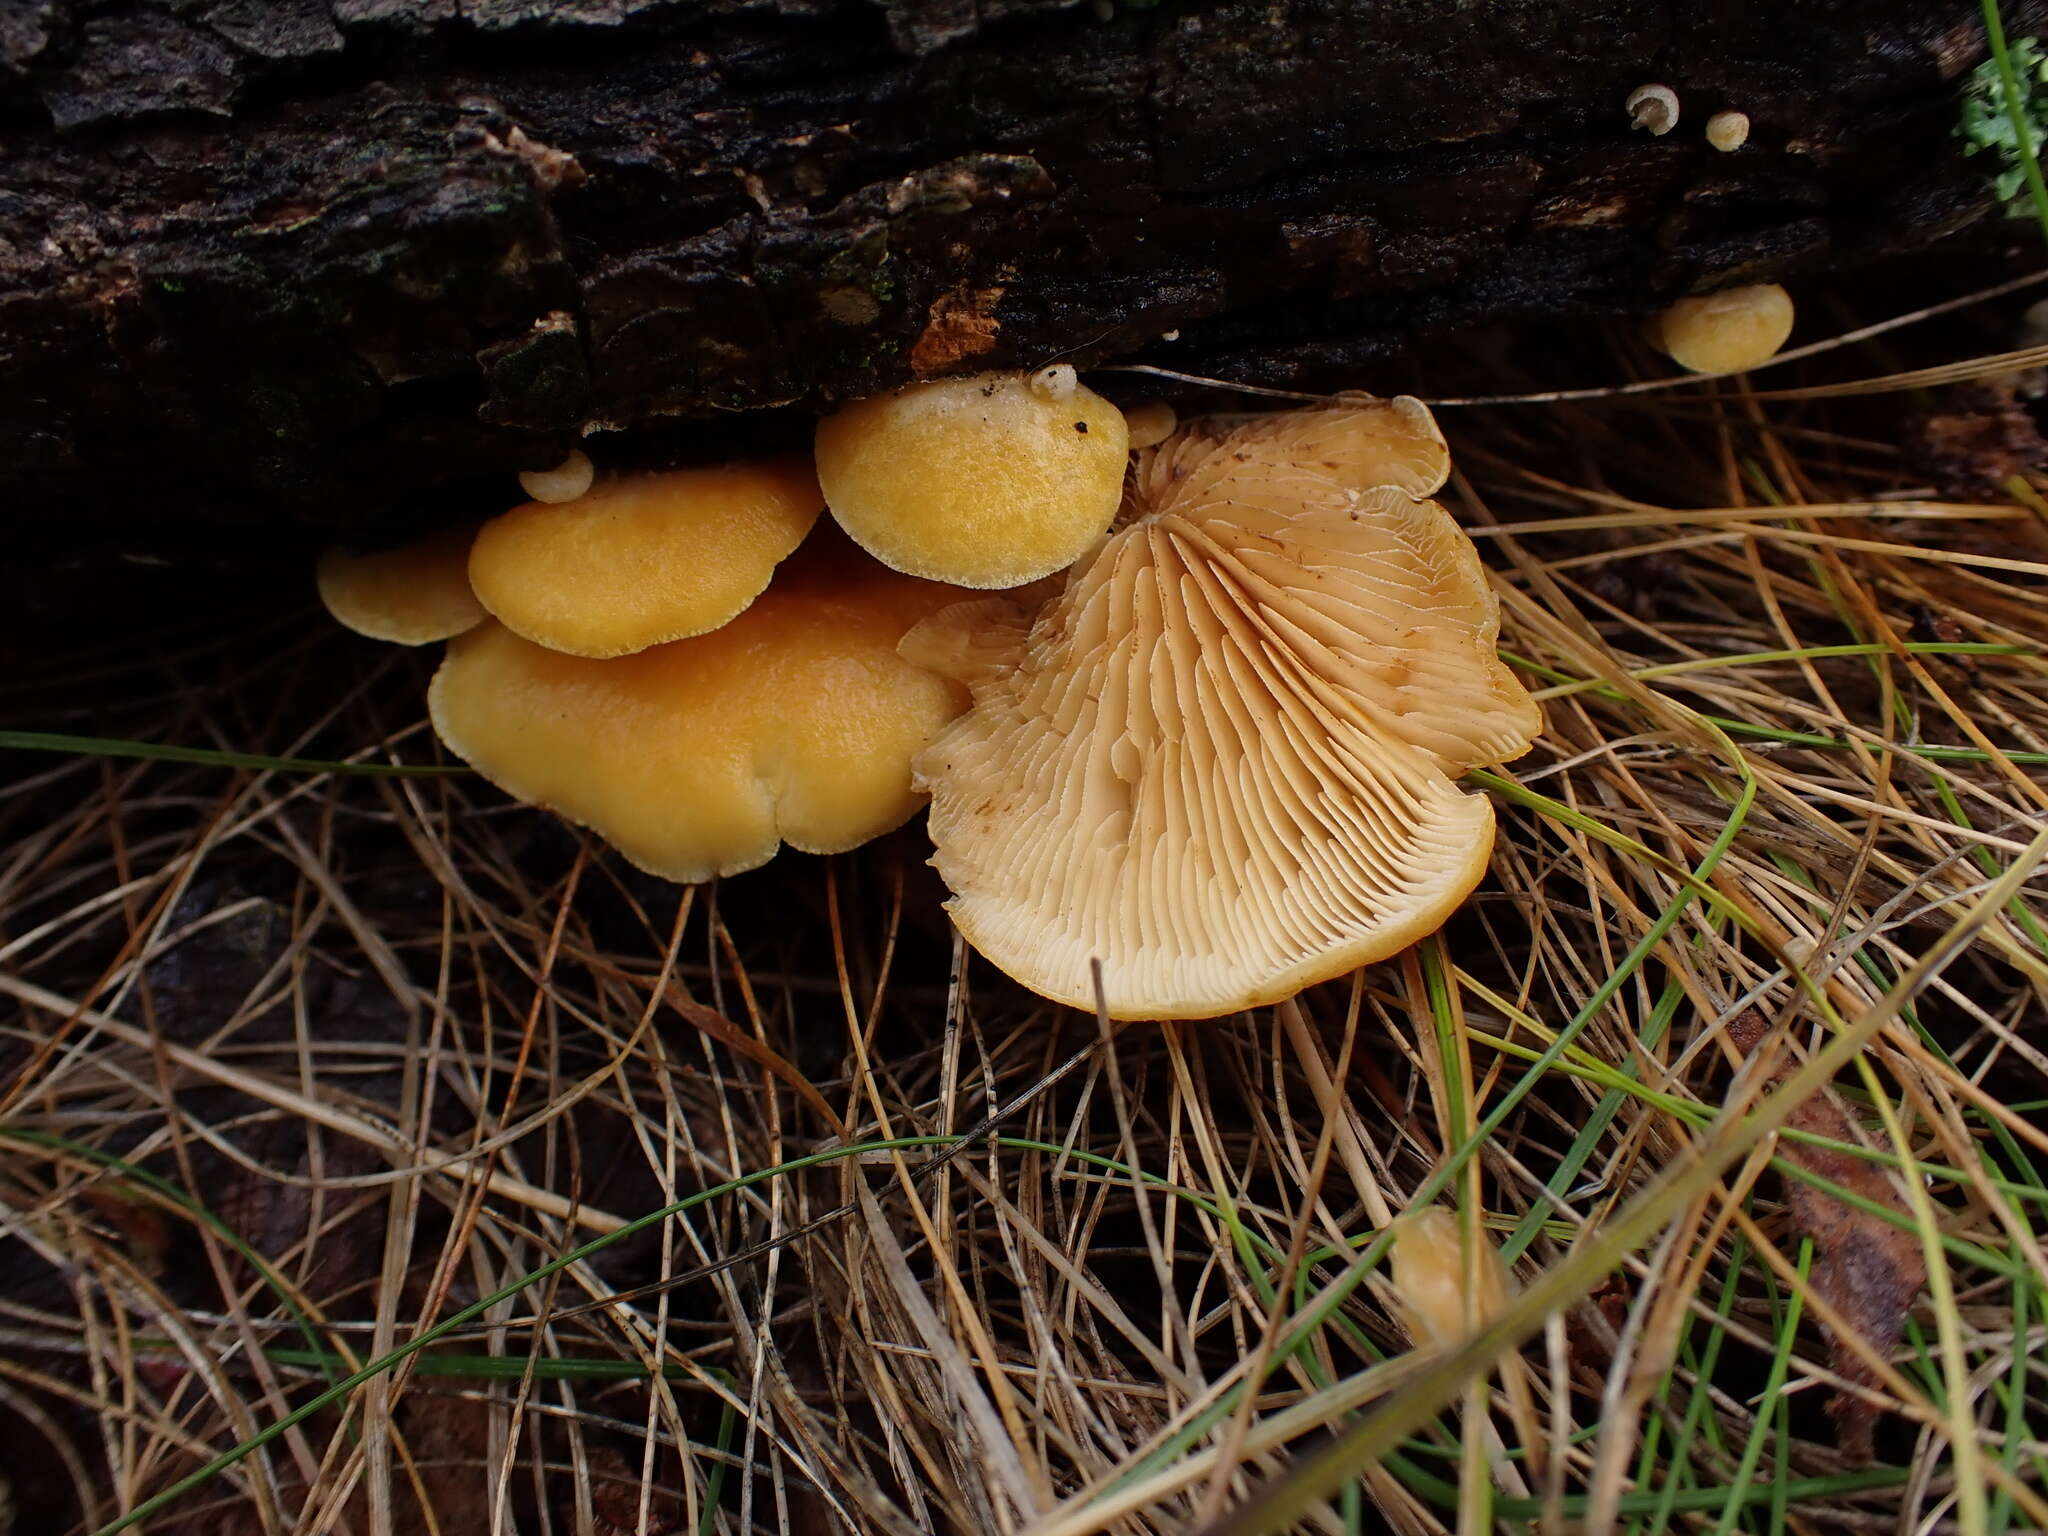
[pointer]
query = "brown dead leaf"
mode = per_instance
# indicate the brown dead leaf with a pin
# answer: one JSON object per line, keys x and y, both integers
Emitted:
{"x": 1978, "y": 438}
{"x": 1590, "y": 1330}
{"x": 137, "y": 1220}
{"x": 615, "y": 1493}
{"x": 1866, "y": 1269}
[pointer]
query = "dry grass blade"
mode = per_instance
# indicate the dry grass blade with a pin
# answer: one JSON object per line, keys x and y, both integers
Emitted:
{"x": 382, "y": 1157}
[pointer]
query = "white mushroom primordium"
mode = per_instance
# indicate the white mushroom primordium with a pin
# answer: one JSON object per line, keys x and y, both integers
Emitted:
{"x": 565, "y": 482}
{"x": 411, "y": 595}
{"x": 1654, "y": 107}
{"x": 991, "y": 481}
{"x": 1055, "y": 383}
{"x": 1726, "y": 332}
{"x": 1220, "y": 760}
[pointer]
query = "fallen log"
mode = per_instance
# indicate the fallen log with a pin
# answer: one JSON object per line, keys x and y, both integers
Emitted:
{"x": 309, "y": 264}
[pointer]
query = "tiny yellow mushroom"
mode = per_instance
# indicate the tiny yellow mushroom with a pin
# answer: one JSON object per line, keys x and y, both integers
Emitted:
{"x": 1728, "y": 131}
{"x": 1726, "y": 332}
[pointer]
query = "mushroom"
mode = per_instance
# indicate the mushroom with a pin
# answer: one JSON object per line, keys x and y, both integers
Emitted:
{"x": 795, "y": 723}
{"x": 1727, "y": 332}
{"x": 565, "y": 482}
{"x": 1150, "y": 423}
{"x": 645, "y": 558}
{"x": 414, "y": 594}
{"x": 1728, "y": 131}
{"x": 1219, "y": 760}
{"x": 984, "y": 482}
{"x": 1654, "y": 107}
{"x": 1442, "y": 1295}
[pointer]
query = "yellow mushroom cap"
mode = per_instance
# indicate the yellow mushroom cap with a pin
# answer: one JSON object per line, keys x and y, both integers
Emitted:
{"x": 1219, "y": 760}
{"x": 1728, "y": 131}
{"x": 1445, "y": 1293}
{"x": 794, "y": 723}
{"x": 1725, "y": 332}
{"x": 1150, "y": 423}
{"x": 643, "y": 559}
{"x": 413, "y": 595}
{"x": 984, "y": 482}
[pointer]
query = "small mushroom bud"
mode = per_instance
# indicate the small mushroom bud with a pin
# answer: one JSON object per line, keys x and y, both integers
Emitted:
{"x": 1430, "y": 1278}
{"x": 1654, "y": 107}
{"x": 1726, "y": 332}
{"x": 1055, "y": 383}
{"x": 565, "y": 482}
{"x": 1728, "y": 130}
{"x": 1150, "y": 424}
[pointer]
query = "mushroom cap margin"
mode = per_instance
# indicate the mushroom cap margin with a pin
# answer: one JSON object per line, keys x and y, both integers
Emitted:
{"x": 641, "y": 560}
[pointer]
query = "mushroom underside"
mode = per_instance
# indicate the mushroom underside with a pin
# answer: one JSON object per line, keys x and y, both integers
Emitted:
{"x": 1220, "y": 763}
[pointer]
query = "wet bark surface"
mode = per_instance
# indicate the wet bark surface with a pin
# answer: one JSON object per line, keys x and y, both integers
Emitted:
{"x": 272, "y": 264}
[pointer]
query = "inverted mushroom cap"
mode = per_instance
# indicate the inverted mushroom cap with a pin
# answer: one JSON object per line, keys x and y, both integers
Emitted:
{"x": 1357, "y": 441}
{"x": 984, "y": 482}
{"x": 1218, "y": 761}
{"x": 794, "y": 723}
{"x": 1726, "y": 332}
{"x": 643, "y": 559}
{"x": 412, "y": 595}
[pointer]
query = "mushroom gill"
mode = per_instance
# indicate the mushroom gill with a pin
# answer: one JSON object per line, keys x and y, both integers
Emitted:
{"x": 1218, "y": 761}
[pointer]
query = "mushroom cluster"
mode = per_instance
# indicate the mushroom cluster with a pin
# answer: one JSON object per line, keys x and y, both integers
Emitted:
{"x": 794, "y": 723}
{"x": 1220, "y": 761}
{"x": 643, "y": 656}
{"x": 1208, "y": 738}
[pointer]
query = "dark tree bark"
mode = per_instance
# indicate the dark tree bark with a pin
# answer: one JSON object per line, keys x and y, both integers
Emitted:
{"x": 311, "y": 261}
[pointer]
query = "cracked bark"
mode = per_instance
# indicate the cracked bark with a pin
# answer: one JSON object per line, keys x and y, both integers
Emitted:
{"x": 293, "y": 264}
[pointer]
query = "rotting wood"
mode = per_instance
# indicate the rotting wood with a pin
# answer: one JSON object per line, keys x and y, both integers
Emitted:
{"x": 330, "y": 264}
